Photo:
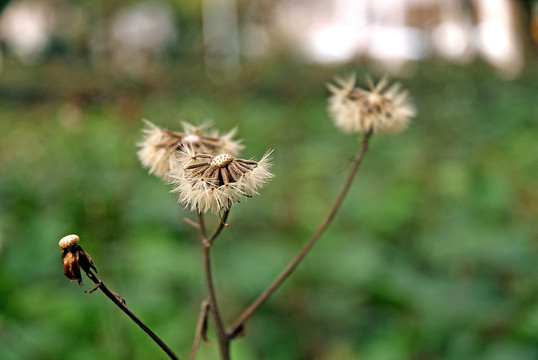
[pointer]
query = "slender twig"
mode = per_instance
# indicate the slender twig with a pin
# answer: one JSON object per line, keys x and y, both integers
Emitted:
{"x": 121, "y": 304}
{"x": 223, "y": 339}
{"x": 237, "y": 325}
{"x": 222, "y": 225}
{"x": 201, "y": 329}
{"x": 194, "y": 224}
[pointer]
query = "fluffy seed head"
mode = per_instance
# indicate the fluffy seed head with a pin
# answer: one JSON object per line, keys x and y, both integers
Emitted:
{"x": 159, "y": 145}
{"x": 213, "y": 183}
{"x": 155, "y": 149}
{"x": 68, "y": 240}
{"x": 380, "y": 109}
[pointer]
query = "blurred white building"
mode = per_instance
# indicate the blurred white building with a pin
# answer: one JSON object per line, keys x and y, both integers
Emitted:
{"x": 136, "y": 37}
{"x": 393, "y": 33}
{"x": 26, "y": 28}
{"x": 388, "y": 34}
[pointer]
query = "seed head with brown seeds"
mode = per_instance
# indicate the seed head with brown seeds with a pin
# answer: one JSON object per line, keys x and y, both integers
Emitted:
{"x": 212, "y": 183}
{"x": 379, "y": 110}
{"x": 159, "y": 145}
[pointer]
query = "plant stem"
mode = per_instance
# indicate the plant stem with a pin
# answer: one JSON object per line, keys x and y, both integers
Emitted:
{"x": 223, "y": 339}
{"x": 201, "y": 329}
{"x": 121, "y": 304}
{"x": 192, "y": 223}
{"x": 237, "y": 325}
{"x": 222, "y": 225}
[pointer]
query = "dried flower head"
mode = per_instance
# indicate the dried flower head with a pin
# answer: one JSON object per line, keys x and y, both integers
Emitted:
{"x": 160, "y": 145}
{"x": 74, "y": 258}
{"x": 379, "y": 110}
{"x": 212, "y": 183}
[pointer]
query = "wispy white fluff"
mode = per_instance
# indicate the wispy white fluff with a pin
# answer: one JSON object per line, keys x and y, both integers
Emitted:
{"x": 204, "y": 185}
{"x": 154, "y": 154}
{"x": 160, "y": 146}
{"x": 378, "y": 110}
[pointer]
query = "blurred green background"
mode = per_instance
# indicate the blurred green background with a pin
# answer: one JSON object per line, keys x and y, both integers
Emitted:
{"x": 432, "y": 256}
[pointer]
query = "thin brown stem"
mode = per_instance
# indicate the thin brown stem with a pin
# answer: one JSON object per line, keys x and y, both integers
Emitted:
{"x": 119, "y": 302}
{"x": 223, "y": 339}
{"x": 194, "y": 224}
{"x": 201, "y": 329}
{"x": 237, "y": 325}
{"x": 222, "y": 224}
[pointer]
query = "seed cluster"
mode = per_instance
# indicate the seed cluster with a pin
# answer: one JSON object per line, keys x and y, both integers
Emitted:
{"x": 380, "y": 110}
{"x": 212, "y": 183}
{"x": 220, "y": 170}
{"x": 178, "y": 139}
{"x": 68, "y": 240}
{"x": 159, "y": 146}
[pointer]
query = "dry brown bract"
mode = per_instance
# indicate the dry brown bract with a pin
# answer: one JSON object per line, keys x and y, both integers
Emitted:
{"x": 74, "y": 258}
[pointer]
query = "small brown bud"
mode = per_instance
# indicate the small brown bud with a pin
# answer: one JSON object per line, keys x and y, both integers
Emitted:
{"x": 74, "y": 258}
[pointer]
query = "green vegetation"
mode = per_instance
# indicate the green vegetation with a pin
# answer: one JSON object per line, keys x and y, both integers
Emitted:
{"x": 432, "y": 256}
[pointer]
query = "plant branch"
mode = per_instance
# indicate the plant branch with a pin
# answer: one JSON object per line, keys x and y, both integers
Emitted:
{"x": 191, "y": 223}
{"x": 119, "y": 302}
{"x": 201, "y": 329}
{"x": 236, "y": 328}
{"x": 223, "y": 339}
{"x": 222, "y": 225}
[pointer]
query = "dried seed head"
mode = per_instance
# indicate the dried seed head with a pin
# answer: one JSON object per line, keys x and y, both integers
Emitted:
{"x": 156, "y": 148}
{"x": 75, "y": 258}
{"x": 205, "y": 141}
{"x": 68, "y": 240}
{"x": 212, "y": 183}
{"x": 159, "y": 146}
{"x": 378, "y": 110}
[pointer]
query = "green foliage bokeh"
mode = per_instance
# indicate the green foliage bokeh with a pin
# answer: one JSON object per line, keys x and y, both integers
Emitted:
{"x": 432, "y": 256}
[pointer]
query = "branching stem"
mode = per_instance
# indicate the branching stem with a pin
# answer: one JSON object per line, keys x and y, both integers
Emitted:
{"x": 223, "y": 339}
{"x": 237, "y": 325}
{"x": 222, "y": 225}
{"x": 201, "y": 329}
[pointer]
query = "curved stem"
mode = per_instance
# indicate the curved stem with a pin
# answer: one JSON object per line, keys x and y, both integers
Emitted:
{"x": 237, "y": 326}
{"x": 119, "y": 302}
{"x": 222, "y": 225}
{"x": 201, "y": 329}
{"x": 223, "y": 339}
